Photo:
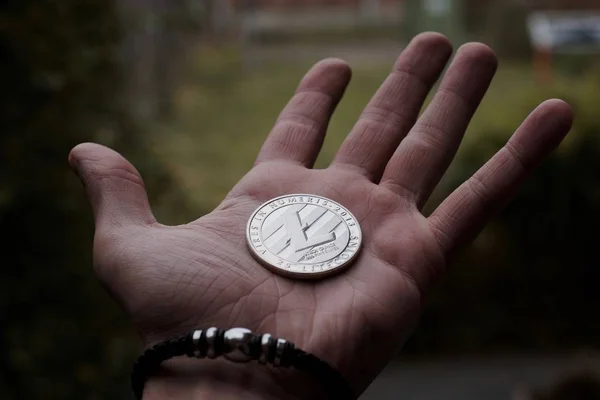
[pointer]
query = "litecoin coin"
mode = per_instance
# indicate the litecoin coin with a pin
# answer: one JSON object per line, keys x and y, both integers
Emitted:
{"x": 304, "y": 236}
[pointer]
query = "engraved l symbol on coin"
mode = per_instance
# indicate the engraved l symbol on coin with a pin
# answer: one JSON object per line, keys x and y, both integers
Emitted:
{"x": 298, "y": 236}
{"x": 303, "y": 236}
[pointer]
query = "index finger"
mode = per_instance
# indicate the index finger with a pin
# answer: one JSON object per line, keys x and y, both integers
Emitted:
{"x": 300, "y": 129}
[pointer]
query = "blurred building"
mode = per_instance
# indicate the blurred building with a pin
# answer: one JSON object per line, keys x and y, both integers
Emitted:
{"x": 321, "y": 12}
{"x": 479, "y": 5}
{"x": 294, "y": 4}
{"x": 562, "y": 4}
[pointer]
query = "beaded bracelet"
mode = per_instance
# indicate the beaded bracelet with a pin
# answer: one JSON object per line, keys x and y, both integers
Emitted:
{"x": 239, "y": 345}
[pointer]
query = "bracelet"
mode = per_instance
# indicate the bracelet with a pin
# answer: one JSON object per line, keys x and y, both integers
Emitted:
{"x": 239, "y": 345}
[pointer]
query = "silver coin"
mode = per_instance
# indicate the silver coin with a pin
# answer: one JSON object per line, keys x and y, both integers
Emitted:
{"x": 304, "y": 236}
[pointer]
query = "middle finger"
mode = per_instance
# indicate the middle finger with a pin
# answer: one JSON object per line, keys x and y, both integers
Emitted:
{"x": 395, "y": 107}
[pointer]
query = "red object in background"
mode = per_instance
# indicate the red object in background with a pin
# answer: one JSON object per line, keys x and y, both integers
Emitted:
{"x": 542, "y": 66}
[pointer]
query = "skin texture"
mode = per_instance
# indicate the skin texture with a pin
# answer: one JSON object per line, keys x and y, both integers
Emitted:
{"x": 171, "y": 279}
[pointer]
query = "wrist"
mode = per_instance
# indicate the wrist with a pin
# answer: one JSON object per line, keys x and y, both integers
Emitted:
{"x": 206, "y": 379}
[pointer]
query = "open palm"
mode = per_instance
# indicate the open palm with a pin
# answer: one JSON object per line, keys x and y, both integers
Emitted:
{"x": 173, "y": 279}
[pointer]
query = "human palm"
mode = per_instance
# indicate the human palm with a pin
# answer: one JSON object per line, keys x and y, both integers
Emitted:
{"x": 171, "y": 279}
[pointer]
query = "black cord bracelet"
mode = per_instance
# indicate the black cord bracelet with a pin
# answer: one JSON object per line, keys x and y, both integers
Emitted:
{"x": 238, "y": 345}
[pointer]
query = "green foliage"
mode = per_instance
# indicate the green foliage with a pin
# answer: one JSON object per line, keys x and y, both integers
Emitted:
{"x": 61, "y": 336}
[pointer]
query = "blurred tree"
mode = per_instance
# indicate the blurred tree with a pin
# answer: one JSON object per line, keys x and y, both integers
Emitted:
{"x": 370, "y": 8}
{"x": 153, "y": 49}
{"x": 444, "y": 16}
{"x": 220, "y": 18}
{"x": 511, "y": 43}
{"x": 61, "y": 336}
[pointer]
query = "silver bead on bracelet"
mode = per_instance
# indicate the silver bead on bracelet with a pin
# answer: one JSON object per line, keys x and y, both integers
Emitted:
{"x": 241, "y": 345}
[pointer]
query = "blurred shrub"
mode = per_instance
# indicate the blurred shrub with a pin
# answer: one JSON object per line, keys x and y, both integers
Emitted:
{"x": 530, "y": 280}
{"x": 60, "y": 336}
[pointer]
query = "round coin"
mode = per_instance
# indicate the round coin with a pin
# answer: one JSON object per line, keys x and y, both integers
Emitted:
{"x": 303, "y": 236}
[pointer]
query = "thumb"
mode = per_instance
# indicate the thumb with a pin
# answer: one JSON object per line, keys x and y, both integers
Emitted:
{"x": 115, "y": 188}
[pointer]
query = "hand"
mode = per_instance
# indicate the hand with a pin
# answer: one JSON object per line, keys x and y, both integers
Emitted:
{"x": 171, "y": 279}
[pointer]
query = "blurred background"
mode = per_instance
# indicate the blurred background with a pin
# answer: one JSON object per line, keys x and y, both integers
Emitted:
{"x": 184, "y": 88}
